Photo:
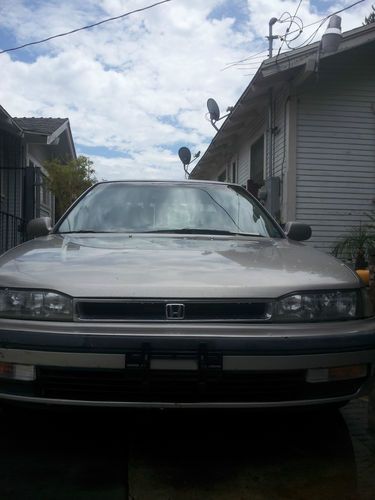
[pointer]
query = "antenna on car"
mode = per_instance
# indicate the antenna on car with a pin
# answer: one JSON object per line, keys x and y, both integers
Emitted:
{"x": 214, "y": 112}
{"x": 184, "y": 154}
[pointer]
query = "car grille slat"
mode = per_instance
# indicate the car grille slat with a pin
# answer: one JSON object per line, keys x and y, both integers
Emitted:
{"x": 123, "y": 310}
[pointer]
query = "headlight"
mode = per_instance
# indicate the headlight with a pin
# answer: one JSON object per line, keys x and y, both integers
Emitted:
{"x": 35, "y": 304}
{"x": 323, "y": 306}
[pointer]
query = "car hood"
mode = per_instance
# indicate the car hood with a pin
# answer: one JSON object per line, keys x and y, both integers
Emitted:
{"x": 165, "y": 266}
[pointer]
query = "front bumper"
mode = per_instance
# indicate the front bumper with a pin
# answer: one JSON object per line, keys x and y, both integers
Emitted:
{"x": 184, "y": 365}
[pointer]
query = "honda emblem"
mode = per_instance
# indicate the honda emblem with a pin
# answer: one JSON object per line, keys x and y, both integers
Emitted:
{"x": 175, "y": 311}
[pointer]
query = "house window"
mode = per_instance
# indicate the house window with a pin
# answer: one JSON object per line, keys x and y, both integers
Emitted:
{"x": 257, "y": 162}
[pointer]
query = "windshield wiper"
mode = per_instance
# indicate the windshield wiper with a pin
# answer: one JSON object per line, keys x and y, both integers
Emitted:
{"x": 188, "y": 230}
{"x": 80, "y": 231}
{"x": 184, "y": 230}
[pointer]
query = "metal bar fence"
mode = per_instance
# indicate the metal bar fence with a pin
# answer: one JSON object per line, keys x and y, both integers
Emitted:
{"x": 12, "y": 222}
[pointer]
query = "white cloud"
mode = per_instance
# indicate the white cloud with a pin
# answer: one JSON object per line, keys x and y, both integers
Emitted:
{"x": 138, "y": 85}
{"x": 152, "y": 163}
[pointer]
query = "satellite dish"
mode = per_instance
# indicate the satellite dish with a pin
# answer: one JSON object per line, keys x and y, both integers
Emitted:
{"x": 213, "y": 109}
{"x": 185, "y": 155}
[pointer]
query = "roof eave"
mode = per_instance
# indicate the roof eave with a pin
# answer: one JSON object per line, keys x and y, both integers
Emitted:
{"x": 10, "y": 122}
{"x": 35, "y": 137}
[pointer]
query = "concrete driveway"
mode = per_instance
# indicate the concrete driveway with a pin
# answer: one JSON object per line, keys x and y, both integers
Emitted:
{"x": 187, "y": 455}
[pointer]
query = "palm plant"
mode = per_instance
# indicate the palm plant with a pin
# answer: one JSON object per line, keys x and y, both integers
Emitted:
{"x": 357, "y": 243}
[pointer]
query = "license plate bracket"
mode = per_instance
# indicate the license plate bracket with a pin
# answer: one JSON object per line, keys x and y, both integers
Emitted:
{"x": 201, "y": 359}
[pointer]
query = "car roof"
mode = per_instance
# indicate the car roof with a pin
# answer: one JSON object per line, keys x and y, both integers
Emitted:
{"x": 155, "y": 181}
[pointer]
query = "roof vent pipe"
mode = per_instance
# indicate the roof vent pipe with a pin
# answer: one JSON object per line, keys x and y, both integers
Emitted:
{"x": 332, "y": 37}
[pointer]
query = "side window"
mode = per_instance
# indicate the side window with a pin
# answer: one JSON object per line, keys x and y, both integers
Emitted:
{"x": 257, "y": 162}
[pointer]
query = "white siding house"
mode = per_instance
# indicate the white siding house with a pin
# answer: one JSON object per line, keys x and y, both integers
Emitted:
{"x": 336, "y": 146}
{"x": 316, "y": 114}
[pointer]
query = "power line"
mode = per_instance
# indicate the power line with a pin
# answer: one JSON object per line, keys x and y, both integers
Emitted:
{"x": 281, "y": 20}
{"x": 329, "y": 15}
{"x": 308, "y": 39}
{"x": 240, "y": 61}
{"x": 86, "y": 27}
{"x": 245, "y": 65}
{"x": 249, "y": 68}
{"x": 300, "y": 30}
{"x": 251, "y": 61}
{"x": 320, "y": 22}
{"x": 292, "y": 19}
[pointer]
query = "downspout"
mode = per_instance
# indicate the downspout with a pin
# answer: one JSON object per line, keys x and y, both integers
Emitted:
{"x": 271, "y": 38}
{"x": 270, "y": 138}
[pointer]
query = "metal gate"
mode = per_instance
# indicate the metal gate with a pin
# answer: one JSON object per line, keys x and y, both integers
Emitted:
{"x": 20, "y": 187}
{"x": 12, "y": 222}
{"x": 12, "y": 189}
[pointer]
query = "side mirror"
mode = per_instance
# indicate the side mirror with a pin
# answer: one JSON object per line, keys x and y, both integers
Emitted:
{"x": 297, "y": 231}
{"x": 39, "y": 227}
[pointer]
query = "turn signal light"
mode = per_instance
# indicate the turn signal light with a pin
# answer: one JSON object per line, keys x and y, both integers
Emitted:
{"x": 12, "y": 371}
{"x": 364, "y": 274}
{"x": 315, "y": 375}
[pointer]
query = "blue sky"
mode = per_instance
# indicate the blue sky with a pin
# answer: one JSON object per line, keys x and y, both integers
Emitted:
{"x": 135, "y": 90}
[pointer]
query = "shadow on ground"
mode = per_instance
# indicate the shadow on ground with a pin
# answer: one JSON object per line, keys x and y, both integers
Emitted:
{"x": 59, "y": 456}
{"x": 238, "y": 455}
{"x": 176, "y": 455}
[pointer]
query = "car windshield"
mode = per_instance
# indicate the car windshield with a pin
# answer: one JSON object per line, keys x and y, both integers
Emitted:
{"x": 157, "y": 207}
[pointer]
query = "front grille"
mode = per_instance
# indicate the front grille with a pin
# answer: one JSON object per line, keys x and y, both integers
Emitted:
{"x": 123, "y": 310}
{"x": 185, "y": 386}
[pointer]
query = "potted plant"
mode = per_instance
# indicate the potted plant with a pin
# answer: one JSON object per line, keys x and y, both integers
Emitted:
{"x": 356, "y": 244}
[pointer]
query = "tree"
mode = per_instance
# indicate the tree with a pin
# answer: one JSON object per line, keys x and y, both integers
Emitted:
{"x": 67, "y": 180}
{"x": 371, "y": 18}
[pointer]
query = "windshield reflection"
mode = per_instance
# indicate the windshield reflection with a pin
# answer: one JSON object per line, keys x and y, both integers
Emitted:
{"x": 153, "y": 207}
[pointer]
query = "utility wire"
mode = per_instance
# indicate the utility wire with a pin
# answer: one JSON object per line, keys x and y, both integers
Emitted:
{"x": 258, "y": 57}
{"x": 313, "y": 35}
{"x": 288, "y": 29}
{"x": 86, "y": 27}
{"x": 281, "y": 20}
{"x": 253, "y": 56}
{"x": 329, "y": 15}
{"x": 250, "y": 63}
{"x": 309, "y": 39}
{"x": 300, "y": 30}
{"x": 245, "y": 66}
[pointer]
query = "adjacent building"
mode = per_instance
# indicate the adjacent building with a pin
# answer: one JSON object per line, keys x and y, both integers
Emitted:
{"x": 25, "y": 144}
{"x": 303, "y": 132}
